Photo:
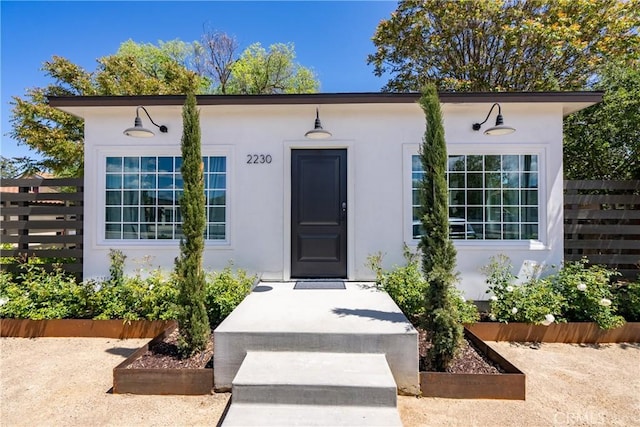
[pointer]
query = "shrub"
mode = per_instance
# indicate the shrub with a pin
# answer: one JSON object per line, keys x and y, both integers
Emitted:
{"x": 40, "y": 294}
{"x": 627, "y": 298}
{"x": 465, "y": 311}
{"x": 576, "y": 293}
{"x": 534, "y": 301}
{"x": 134, "y": 298}
{"x": 588, "y": 295}
{"x": 407, "y": 287}
{"x": 405, "y": 284}
{"x": 224, "y": 291}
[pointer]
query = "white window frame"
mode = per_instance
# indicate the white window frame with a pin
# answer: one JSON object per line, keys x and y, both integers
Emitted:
{"x": 460, "y": 149}
{"x": 138, "y": 151}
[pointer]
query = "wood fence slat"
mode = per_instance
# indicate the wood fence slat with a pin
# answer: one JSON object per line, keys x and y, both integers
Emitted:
{"x": 42, "y": 182}
{"x": 618, "y": 230}
{"x": 602, "y": 244}
{"x": 41, "y": 197}
{"x": 46, "y": 239}
{"x": 42, "y": 210}
{"x": 602, "y": 185}
{"x": 616, "y": 214}
{"x": 601, "y": 199}
{"x": 43, "y": 225}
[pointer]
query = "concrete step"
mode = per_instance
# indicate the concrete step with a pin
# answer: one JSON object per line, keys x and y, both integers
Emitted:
{"x": 267, "y": 415}
{"x": 314, "y": 378}
{"x": 358, "y": 319}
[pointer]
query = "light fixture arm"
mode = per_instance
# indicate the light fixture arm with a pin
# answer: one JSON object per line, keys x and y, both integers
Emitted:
{"x": 476, "y": 126}
{"x": 162, "y": 128}
{"x": 317, "y": 123}
{"x": 318, "y": 132}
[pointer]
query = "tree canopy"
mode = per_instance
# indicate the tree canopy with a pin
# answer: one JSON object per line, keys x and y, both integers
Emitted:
{"x": 173, "y": 67}
{"x": 603, "y": 141}
{"x": 496, "y": 45}
{"x": 259, "y": 71}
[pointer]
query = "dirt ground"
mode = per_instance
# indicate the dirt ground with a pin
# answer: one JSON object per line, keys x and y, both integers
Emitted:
{"x": 67, "y": 382}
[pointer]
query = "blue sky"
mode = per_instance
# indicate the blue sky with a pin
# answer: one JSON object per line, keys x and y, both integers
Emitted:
{"x": 331, "y": 37}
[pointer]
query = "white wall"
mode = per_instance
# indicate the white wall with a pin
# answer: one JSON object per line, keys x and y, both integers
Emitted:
{"x": 378, "y": 137}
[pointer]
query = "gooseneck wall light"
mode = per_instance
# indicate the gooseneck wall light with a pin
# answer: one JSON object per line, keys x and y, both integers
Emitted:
{"x": 137, "y": 131}
{"x": 317, "y": 132}
{"x": 500, "y": 128}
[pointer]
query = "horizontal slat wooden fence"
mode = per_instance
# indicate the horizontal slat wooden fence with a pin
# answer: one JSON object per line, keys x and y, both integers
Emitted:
{"x": 602, "y": 223}
{"x": 42, "y": 217}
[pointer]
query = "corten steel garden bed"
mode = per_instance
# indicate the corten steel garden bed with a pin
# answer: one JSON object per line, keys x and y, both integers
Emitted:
{"x": 567, "y": 333}
{"x": 180, "y": 381}
{"x": 510, "y": 385}
{"x": 82, "y": 328}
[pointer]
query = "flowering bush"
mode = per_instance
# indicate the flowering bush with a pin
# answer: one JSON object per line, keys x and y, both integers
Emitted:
{"x": 588, "y": 295}
{"x": 531, "y": 302}
{"x": 576, "y": 293}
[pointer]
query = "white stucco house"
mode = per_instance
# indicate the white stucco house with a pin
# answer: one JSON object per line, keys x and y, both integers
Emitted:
{"x": 285, "y": 206}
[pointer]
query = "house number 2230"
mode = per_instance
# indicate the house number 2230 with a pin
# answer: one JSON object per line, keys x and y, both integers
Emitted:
{"x": 259, "y": 159}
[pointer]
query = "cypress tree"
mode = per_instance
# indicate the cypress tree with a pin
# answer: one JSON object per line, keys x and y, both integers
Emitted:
{"x": 438, "y": 252}
{"x": 192, "y": 319}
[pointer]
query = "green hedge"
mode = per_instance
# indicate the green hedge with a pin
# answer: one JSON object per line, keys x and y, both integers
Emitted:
{"x": 36, "y": 294}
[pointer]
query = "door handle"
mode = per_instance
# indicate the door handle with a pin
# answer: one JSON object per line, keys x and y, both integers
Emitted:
{"x": 344, "y": 209}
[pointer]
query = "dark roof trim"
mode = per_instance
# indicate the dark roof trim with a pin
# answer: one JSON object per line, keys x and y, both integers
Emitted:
{"x": 324, "y": 98}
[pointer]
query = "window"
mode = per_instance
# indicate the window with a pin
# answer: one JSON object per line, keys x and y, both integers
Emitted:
{"x": 491, "y": 197}
{"x": 143, "y": 194}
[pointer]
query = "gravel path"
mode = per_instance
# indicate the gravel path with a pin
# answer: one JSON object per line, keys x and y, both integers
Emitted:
{"x": 67, "y": 382}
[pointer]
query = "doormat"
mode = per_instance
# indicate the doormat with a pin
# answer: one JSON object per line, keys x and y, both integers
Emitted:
{"x": 320, "y": 285}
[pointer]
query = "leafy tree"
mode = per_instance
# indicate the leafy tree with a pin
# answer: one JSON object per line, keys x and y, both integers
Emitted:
{"x": 192, "y": 318}
{"x": 438, "y": 252}
{"x": 16, "y": 167}
{"x": 259, "y": 71}
{"x": 165, "y": 63}
{"x": 501, "y": 45}
{"x": 59, "y": 136}
{"x": 603, "y": 141}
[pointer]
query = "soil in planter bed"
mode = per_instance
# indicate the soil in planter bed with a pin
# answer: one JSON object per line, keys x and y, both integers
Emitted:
{"x": 469, "y": 359}
{"x": 165, "y": 354}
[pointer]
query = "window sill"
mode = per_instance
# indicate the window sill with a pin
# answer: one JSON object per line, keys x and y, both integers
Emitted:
{"x": 159, "y": 243}
{"x": 530, "y": 245}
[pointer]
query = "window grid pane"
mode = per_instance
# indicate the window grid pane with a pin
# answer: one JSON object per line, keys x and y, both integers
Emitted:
{"x": 491, "y": 197}
{"x": 143, "y": 198}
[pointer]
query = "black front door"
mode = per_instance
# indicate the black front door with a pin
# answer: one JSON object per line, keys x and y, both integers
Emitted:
{"x": 319, "y": 213}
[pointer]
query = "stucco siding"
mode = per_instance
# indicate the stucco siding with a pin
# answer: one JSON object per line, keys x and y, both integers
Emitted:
{"x": 379, "y": 139}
